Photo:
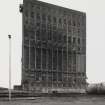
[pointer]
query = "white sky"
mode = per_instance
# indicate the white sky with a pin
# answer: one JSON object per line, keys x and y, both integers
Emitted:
{"x": 11, "y": 23}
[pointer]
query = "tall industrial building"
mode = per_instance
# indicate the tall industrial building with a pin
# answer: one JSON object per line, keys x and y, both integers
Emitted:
{"x": 53, "y": 47}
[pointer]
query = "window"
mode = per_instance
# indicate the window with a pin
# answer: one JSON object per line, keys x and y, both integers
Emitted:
{"x": 44, "y": 58}
{"x": 78, "y": 23}
{"x": 60, "y": 36}
{"x": 60, "y": 77}
{"x": 49, "y": 59}
{"x": 74, "y": 59}
{"x": 38, "y": 35}
{"x": 26, "y": 42}
{"x": 74, "y": 23}
{"x": 26, "y": 57}
{"x": 69, "y": 22}
{"x": 32, "y": 34}
{"x": 78, "y": 40}
{"x": 43, "y": 34}
{"x": 32, "y": 56}
{"x": 69, "y": 39}
{"x": 60, "y": 60}
{"x": 54, "y": 36}
{"x": 38, "y": 25}
{"x": 26, "y": 33}
{"x": 26, "y": 13}
{"x": 65, "y": 38}
{"x": 54, "y": 76}
{"x": 49, "y": 35}
{"x": 38, "y": 8}
{"x": 32, "y": 14}
{"x": 60, "y": 21}
{"x": 64, "y": 21}
{"x": 38, "y": 75}
{"x": 54, "y": 59}
{"x": 43, "y": 17}
{"x": 38, "y": 58}
{"x": 38, "y": 16}
{"x": 74, "y": 40}
{"x": 44, "y": 26}
{"x": 79, "y": 32}
{"x": 49, "y": 19}
{"x": 54, "y": 20}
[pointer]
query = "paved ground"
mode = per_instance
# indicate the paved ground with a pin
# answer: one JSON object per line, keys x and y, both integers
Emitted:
{"x": 84, "y": 100}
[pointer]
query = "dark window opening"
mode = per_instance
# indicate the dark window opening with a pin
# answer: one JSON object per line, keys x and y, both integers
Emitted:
{"x": 32, "y": 14}
{"x": 64, "y": 21}
{"x": 60, "y": 21}
{"x": 49, "y": 19}
{"x": 26, "y": 13}
{"x": 60, "y": 60}
{"x": 49, "y": 35}
{"x": 43, "y": 17}
{"x": 50, "y": 59}
{"x": 74, "y": 23}
{"x": 44, "y": 58}
{"x": 54, "y": 20}
{"x": 32, "y": 34}
{"x": 78, "y": 40}
{"x": 65, "y": 39}
{"x": 74, "y": 40}
{"x": 38, "y": 58}
{"x": 60, "y": 77}
{"x": 69, "y": 22}
{"x": 60, "y": 36}
{"x": 69, "y": 39}
{"x": 54, "y": 59}
{"x": 43, "y": 35}
{"x": 38, "y": 35}
{"x": 38, "y": 8}
{"x": 38, "y": 16}
{"x": 54, "y": 76}
{"x": 54, "y": 36}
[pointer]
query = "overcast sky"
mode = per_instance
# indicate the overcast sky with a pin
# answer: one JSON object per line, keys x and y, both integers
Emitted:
{"x": 11, "y": 23}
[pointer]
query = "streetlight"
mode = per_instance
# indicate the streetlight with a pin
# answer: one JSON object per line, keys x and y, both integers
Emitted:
{"x": 9, "y": 36}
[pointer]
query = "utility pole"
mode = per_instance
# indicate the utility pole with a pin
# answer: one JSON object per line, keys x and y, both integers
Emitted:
{"x": 9, "y": 36}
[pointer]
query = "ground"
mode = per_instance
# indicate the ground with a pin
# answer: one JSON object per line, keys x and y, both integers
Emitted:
{"x": 75, "y": 100}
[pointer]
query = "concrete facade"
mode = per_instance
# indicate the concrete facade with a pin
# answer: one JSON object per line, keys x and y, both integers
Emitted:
{"x": 53, "y": 47}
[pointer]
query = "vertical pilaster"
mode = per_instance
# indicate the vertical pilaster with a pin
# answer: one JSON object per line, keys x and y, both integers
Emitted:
{"x": 52, "y": 68}
{"x": 62, "y": 66}
{"x": 57, "y": 68}
{"x": 29, "y": 55}
{"x": 46, "y": 74}
{"x": 67, "y": 47}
